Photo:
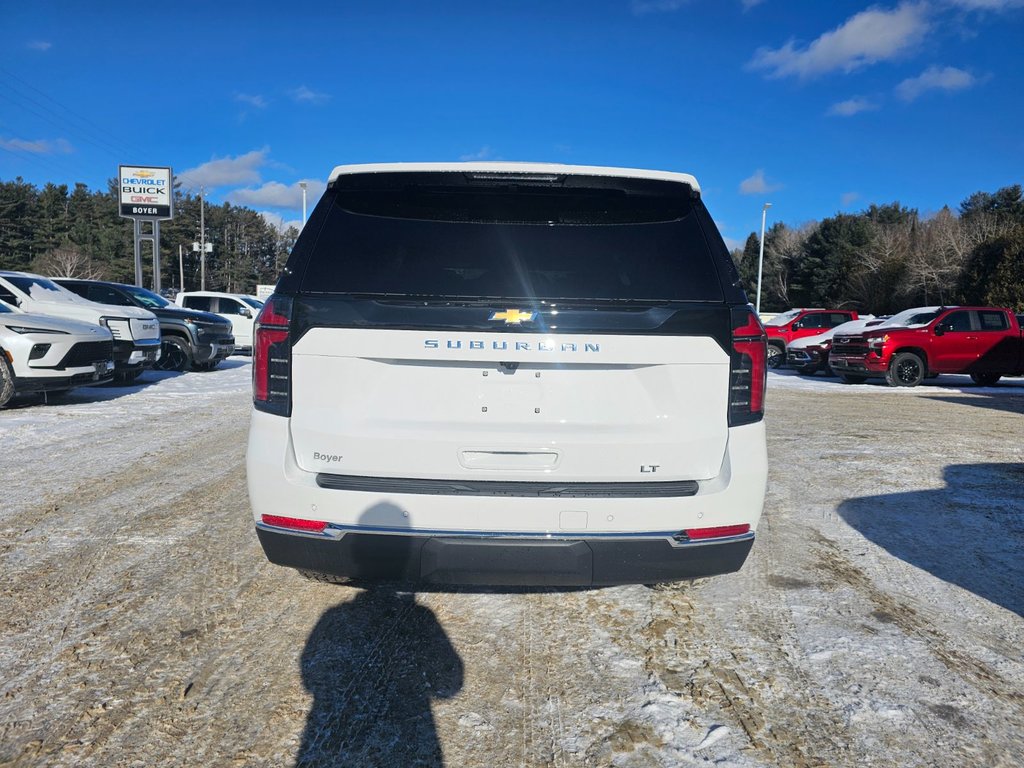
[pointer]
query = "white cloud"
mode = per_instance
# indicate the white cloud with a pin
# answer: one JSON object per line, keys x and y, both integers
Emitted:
{"x": 279, "y": 223}
{"x": 39, "y": 45}
{"x": 851, "y": 107}
{"x": 308, "y": 95}
{"x": 866, "y": 38}
{"x": 988, "y": 5}
{"x": 38, "y": 146}
{"x": 757, "y": 184}
{"x": 848, "y": 198}
{"x": 484, "y": 153}
{"x": 253, "y": 100}
{"x": 277, "y": 195}
{"x": 748, "y": 4}
{"x": 935, "y": 79}
{"x": 226, "y": 171}
{"x": 641, "y": 7}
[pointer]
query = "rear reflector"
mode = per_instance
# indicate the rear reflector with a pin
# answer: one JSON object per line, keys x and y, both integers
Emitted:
{"x": 295, "y": 523}
{"x": 718, "y": 532}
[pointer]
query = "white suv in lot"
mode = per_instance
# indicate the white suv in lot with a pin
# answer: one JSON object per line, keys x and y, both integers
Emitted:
{"x": 136, "y": 331}
{"x": 46, "y": 354}
{"x": 240, "y": 309}
{"x": 508, "y": 374}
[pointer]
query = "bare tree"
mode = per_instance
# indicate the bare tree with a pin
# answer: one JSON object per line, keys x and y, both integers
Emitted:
{"x": 66, "y": 261}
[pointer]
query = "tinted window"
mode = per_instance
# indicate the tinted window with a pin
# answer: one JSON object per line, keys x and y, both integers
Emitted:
{"x": 6, "y": 295}
{"x": 4, "y": 309}
{"x": 147, "y": 299}
{"x": 106, "y": 295}
{"x": 993, "y": 321}
{"x": 528, "y": 243}
{"x": 198, "y": 302}
{"x": 229, "y": 307}
{"x": 254, "y": 303}
{"x": 957, "y": 321}
{"x": 837, "y": 318}
{"x": 813, "y": 321}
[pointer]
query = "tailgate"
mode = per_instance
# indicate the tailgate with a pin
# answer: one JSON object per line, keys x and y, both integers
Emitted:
{"x": 510, "y": 406}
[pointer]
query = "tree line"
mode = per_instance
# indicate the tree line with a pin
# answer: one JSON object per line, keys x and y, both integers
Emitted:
{"x": 62, "y": 232}
{"x": 888, "y": 257}
{"x": 880, "y": 260}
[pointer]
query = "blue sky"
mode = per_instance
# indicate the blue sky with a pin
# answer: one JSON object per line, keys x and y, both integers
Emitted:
{"x": 814, "y": 106}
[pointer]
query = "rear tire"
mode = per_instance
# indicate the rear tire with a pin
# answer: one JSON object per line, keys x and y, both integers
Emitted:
{"x": 986, "y": 379}
{"x": 175, "y": 356}
{"x": 852, "y": 378}
{"x": 6, "y": 381}
{"x": 776, "y": 356}
{"x": 905, "y": 370}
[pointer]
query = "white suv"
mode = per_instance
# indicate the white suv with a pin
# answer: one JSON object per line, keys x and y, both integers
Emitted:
{"x": 136, "y": 331}
{"x": 495, "y": 373}
{"x": 46, "y": 354}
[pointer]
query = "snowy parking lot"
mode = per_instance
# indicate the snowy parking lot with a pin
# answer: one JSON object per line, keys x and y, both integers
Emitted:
{"x": 878, "y": 622}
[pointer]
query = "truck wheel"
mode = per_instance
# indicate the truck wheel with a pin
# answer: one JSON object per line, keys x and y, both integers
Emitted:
{"x": 776, "y": 356}
{"x": 6, "y": 381}
{"x": 175, "y": 355}
{"x": 852, "y": 378}
{"x": 905, "y": 370}
{"x": 986, "y": 379}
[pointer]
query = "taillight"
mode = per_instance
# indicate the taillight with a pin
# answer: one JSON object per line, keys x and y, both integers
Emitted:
{"x": 718, "y": 532}
{"x": 748, "y": 371}
{"x": 271, "y": 358}
{"x": 295, "y": 523}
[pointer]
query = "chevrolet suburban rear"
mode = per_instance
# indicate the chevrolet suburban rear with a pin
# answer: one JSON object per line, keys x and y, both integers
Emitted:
{"x": 508, "y": 374}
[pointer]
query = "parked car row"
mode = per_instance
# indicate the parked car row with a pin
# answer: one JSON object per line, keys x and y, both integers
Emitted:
{"x": 986, "y": 343}
{"x": 61, "y": 333}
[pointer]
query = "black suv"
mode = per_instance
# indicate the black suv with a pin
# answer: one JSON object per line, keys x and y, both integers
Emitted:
{"x": 191, "y": 338}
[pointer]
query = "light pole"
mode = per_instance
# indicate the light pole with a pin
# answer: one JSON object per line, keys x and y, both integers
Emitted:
{"x": 303, "y": 185}
{"x": 760, "y": 259}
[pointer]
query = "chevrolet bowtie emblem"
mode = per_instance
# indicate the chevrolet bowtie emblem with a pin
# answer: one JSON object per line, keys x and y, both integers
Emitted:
{"x": 513, "y": 316}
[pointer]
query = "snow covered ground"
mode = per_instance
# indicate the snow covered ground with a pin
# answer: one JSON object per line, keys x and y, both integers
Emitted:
{"x": 878, "y": 621}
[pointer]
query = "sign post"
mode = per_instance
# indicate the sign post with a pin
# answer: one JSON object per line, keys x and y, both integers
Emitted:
{"x": 146, "y": 194}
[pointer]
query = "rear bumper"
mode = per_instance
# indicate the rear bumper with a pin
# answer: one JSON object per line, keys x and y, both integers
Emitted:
{"x": 621, "y": 539}
{"x": 502, "y": 561}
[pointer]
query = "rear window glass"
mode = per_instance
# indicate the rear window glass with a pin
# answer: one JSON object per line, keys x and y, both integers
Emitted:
{"x": 496, "y": 243}
{"x": 993, "y": 321}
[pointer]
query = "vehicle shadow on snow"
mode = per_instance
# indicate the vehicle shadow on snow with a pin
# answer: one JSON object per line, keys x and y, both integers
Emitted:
{"x": 970, "y": 533}
{"x": 988, "y": 399}
{"x": 373, "y": 665}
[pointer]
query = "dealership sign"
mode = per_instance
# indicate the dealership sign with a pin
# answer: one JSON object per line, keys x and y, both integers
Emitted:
{"x": 145, "y": 192}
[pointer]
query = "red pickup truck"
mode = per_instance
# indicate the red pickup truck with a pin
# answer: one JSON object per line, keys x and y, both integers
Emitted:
{"x": 985, "y": 342}
{"x": 797, "y": 323}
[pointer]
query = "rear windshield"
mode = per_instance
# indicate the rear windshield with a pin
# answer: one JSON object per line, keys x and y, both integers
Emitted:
{"x": 525, "y": 243}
